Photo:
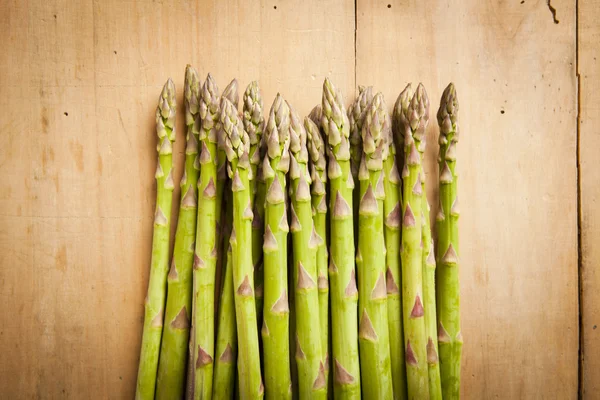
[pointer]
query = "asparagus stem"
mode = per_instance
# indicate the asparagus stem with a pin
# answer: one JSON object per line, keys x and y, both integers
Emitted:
{"x": 344, "y": 294}
{"x": 356, "y": 116}
{"x": 318, "y": 175}
{"x": 159, "y": 265}
{"x": 205, "y": 259}
{"x": 230, "y": 93}
{"x": 173, "y": 352}
{"x": 373, "y": 331}
{"x": 254, "y": 125}
{"x": 275, "y": 329}
{"x": 428, "y": 259}
{"x": 392, "y": 209}
{"x": 414, "y": 123}
{"x": 237, "y": 147}
{"x": 448, "y": 290}
{"x": 306, "y": 241}
{"x": 224, "y": 374}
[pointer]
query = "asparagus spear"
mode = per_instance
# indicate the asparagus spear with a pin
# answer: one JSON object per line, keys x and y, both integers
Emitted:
{"x": 344, "y": 294}
{"x": 318, "y": 174}
{"x": 173, "y": 351}
{"x": 411, "y": 252}
{"x": 373, "y": 331}
{"x": 226, "y": 352}
{"x": 275, "y": 329}
{"x": 205, "y": 258}
{"x": 448, "y": 290}
{"x": 254, "y": 124}
{"x": 159, "y": 265}
{"x": 428, "y": 259}
{"x": 306, "y": 241}
{"x": 392, "y": 209}
{"x": 356, "y": 116}
{"x": 237, "y": 147}
{"x": 230, "y": 93}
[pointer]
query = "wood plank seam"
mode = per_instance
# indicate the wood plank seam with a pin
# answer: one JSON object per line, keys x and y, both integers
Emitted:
{"x": 580, "y": 373}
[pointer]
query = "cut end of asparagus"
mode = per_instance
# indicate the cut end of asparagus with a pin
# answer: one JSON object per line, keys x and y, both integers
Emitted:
{"x": 253, "y": 113}
{"x": 165, "y": 112}
{"x": 447, "y": 115}
{"x": 231, "y": 93}
{"x": 334, "y": 121}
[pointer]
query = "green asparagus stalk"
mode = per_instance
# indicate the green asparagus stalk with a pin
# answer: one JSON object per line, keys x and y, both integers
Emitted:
{"x": 275, "y": 328}
{"x": 159, "y": 265}
{"x": 254, "y": 125}
{"x": 373, "y": 331}
{"x": 448, "y": 289}
{"x": 237, "y": 148}
{"x": 230, "y": 93}
{"x": 318, "y": 174}
{"x": 205, "y": 259}
{"x": 173, "y": 352}
{"x": 226, "y": 351}
{"x": 343, "y": 290}
{"x": 306, "y": 241}
{"x": 415, "y": 336}
{"x": 428, "y": 258}
{"x": 392, "y": 210}
{"x": 356, "y": 116}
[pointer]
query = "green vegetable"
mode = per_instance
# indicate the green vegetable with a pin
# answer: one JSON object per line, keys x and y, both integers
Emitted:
{"x": 159, "y": 265}
{"x": 254, "y": 125}
{"x": 173, "y": 352}
{"x": 318, "y": 175}
{"x": 373, "y": 330}
{"x": 435, "y": 389}
{"x": 343, "y": 290}
{"x": 237, "y": 147}
{"x": 356, "y": 116}
{"x": 415, "y": 337}
{"x": 306, "y": 241}
{"x": 392, "y": 210}
{"x": 275, "y": 328}
{"x": 205, "y": 258}
{"x": 225, "y": 362}
{"x": 448, "y": 289}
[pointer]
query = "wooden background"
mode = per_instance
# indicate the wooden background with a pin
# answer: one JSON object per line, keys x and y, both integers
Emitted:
{"x": 78, "y": 87}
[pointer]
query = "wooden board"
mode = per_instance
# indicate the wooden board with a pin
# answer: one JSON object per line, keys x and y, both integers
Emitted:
{"x": 514, "y": 70}
{"x": 589, "y": 97}
{"x": 79, "y": 83}
{"x": 79, "y": 87}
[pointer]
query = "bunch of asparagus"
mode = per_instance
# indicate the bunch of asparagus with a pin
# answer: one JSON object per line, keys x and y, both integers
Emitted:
{"x": 314, "y": 232}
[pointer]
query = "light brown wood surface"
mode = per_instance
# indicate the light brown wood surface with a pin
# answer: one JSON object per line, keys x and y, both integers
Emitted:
{"x": 514, "y": 70}
{"x": 78, "y": 86}
{"x": 589, "y": 77}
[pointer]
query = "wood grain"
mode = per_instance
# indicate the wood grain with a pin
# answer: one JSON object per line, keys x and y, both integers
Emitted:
{"x": 589, "y": 75}
{"x": 80, "y": 82}
{"x": 513, "y": 67}
{"x": 79, "y": 85}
